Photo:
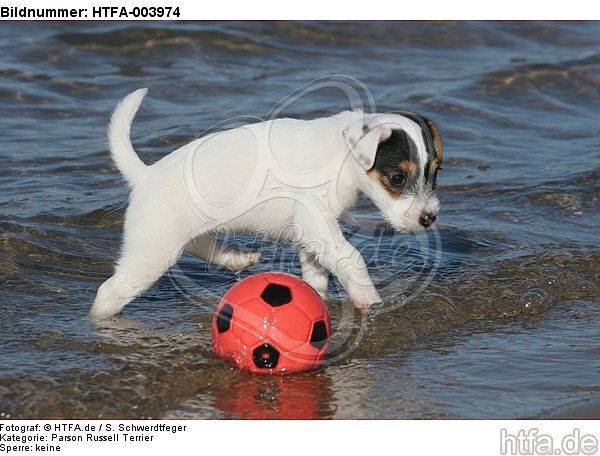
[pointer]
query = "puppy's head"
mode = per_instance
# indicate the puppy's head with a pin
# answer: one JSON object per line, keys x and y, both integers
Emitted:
{"x": 400, "y": 155}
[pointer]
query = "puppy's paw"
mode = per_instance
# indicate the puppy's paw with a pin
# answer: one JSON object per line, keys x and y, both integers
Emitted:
{"x": 108, "y": 301}
{"x": 243, "y": 260}
{"x": 319, "y": 284}
{"x": 367, "y": 306}
{"x": 323, "y": 294}
{"x": 365, "y": 298}
{"x": 114, "y": 294}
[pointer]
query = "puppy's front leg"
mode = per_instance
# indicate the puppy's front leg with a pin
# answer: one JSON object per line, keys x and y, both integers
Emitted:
{"x": 326, "y": 242}
{"x": 343, "y": 260}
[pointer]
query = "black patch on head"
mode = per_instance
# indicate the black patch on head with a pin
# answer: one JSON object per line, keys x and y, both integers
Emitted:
{"x": 397, "y": 148}
{"x": 428, "y": 137}
{"x": 393, "y": 161}
{"x": 423, "y": 123}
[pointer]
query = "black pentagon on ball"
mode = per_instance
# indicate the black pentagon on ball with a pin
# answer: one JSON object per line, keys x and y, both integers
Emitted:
{"x": 265, "y": 356}
{"x": 276, "y": 295}
{"x": 224, "y": 318}
{"x": 319, "y": 335}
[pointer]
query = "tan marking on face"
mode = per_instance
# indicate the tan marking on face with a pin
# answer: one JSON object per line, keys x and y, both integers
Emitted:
{"x": 383, "y": 180}
{"x": 408, "y": 167}
{"x": 437, "y": 143}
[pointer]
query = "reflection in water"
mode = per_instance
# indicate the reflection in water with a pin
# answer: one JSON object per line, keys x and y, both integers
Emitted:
{"x": 295, "y": 397}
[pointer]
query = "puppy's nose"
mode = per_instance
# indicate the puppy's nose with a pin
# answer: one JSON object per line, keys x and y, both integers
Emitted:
{"x": 427, "y": 219}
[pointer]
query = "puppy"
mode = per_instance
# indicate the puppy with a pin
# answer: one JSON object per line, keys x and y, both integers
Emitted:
{"x": 285, "y": 178}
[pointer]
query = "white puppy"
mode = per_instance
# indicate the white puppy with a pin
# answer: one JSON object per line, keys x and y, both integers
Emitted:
{"x": 285, "y": 178}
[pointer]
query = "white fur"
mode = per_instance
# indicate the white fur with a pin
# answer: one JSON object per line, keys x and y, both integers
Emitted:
{"x": 286, "y": 178}
{"x": 119, "y": 144}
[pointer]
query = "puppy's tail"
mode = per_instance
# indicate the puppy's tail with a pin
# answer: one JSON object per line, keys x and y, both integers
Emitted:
{"x": 119, "y": 142}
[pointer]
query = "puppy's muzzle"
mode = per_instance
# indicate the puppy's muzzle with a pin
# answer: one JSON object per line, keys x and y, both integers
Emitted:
{"x": 426, "y": 219}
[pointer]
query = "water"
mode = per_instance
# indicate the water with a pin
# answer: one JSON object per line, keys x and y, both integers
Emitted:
{"x": 501, "y": 323}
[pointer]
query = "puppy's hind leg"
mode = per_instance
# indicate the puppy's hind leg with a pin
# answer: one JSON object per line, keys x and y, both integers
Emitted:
{"x": 135, "y": 273}
{"x": 208, "y": 249}
{"x": 145, "y": 257}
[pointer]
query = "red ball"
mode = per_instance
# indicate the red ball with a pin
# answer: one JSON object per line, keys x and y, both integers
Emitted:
{"x": 271, "y": 323}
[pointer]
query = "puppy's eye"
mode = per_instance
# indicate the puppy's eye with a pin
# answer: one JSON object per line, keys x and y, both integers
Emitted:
{"x": 398, "y": 179}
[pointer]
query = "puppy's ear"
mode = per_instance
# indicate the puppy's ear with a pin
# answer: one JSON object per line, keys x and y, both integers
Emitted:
{"x": 437, "y": 140}
{"x": 364, "y": 140}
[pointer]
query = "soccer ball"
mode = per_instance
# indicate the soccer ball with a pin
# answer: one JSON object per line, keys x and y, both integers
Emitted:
{"x": 271, "y": 323}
